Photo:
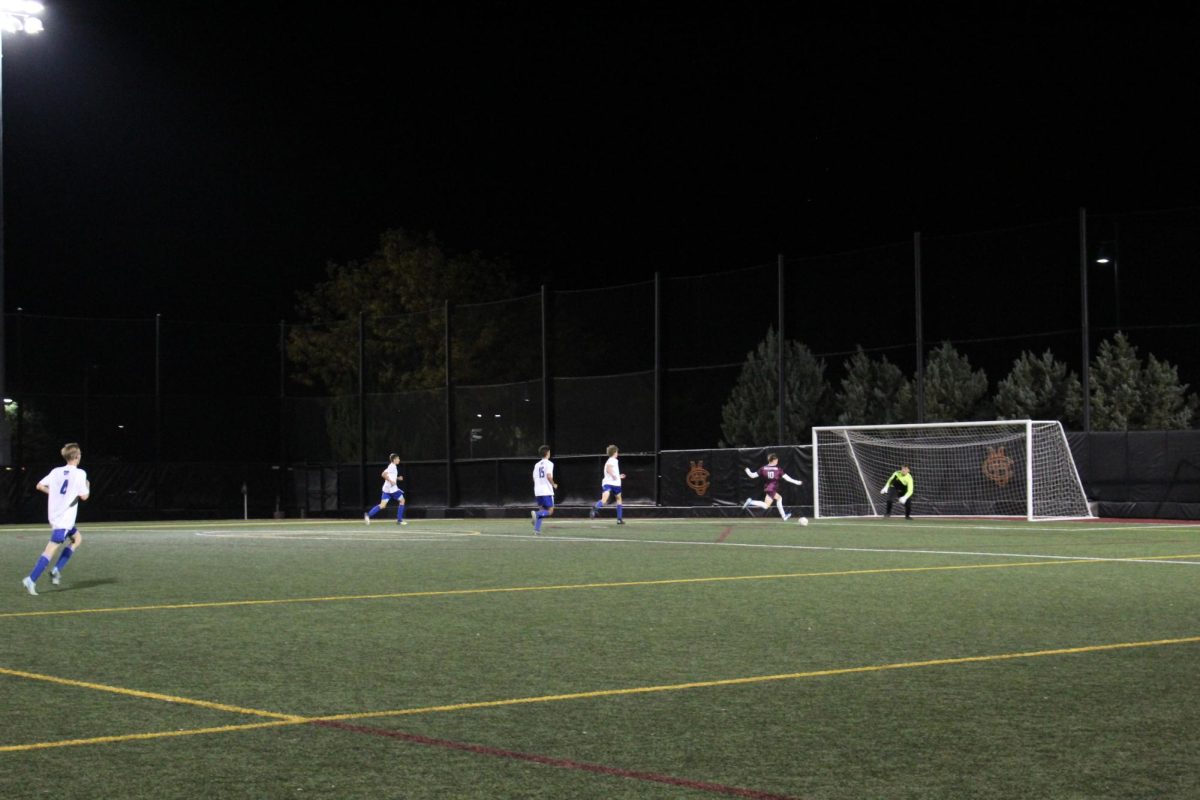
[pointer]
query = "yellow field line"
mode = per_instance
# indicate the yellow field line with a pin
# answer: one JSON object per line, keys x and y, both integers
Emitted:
{"x": 549, "y": 588}
{"x": 166, "y": 698}
{"x": 285, "y": 720}
{"x": 939, "y": 662}
{"x": 142, "y": 737}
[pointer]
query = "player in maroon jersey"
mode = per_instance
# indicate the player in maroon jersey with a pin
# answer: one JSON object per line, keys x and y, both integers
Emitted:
{"x": 771, "y": 473}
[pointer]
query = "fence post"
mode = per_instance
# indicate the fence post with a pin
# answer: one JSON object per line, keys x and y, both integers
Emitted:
{"x": 281, "y": 489}
{"x": 157, "y": 410}
{"x": 920, "y": 327}
{"x": 449, "y": 415}
{"x": 17, "y": 388}
{"x": 658, "y": 388}
{"x": 362, "y": 411}
{"x": 1085, "y": 368}
{"x": 547, "y": 397}
{"x": 780, "y": 354}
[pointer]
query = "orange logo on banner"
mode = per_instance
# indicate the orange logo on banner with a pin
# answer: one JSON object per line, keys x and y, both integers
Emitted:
{"x": 998, "y": 467}
{"x": 697, "y": 478}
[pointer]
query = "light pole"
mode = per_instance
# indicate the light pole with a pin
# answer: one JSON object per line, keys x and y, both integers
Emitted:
{"x": 16, "y": 16}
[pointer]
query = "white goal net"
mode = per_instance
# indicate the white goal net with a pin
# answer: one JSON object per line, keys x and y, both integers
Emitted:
{"x": 1014, "y": 468}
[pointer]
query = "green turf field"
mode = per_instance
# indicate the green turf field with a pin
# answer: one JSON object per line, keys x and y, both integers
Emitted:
{"x": 660, "y": 659}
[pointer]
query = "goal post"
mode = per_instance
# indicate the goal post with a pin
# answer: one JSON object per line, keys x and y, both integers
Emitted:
{"x": 1001, "y": 468}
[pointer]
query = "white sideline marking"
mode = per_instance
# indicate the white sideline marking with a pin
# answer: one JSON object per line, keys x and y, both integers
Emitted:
{"x": 847, "y": 549}
{"x": 340, "y": 536}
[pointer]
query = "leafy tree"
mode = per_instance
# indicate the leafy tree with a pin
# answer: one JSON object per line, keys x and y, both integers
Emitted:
{"x": 750, "y": 415}
{"x": 1039, "y": 388}
{"x": 874, "y": 393}
{"x": 953, "y": 392}
{"x": 35, "y": 442}
{"x": 1129, "y": 396}
{"x": 401, "y": 291}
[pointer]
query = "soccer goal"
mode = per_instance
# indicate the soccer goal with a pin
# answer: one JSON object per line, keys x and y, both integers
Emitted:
{"x": 1006, "y": 468}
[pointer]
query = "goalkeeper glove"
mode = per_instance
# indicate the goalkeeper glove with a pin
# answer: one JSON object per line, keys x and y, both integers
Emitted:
{"x": 883, "y": 490}
{"x": 903, "y": 501}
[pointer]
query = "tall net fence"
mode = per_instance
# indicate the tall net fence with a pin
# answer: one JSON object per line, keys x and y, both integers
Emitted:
{"x": 996, "y": 294}
{"x": 1139, "y": 280}
{"x": 302, "y": 415}
{"x": 711, "y": 324}
{"x": 601, "y": 358}
{"x": 840, "y": 302}
{"x": 496, "y": 372}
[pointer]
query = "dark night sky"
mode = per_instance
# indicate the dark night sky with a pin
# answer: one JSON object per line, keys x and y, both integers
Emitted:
{"x": 205, "y": 162}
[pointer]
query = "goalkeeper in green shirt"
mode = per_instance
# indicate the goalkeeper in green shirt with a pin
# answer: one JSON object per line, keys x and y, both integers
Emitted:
{"x": 900, "y": 481}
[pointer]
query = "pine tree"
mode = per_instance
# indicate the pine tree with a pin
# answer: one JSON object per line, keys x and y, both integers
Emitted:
{"x": 874, "y": 393}
{"x": 1115, "y": 378}
{"x": 1039, "y": 388}
{"x": 750, "y": 415}
{"x": 953, "y": 392}
{"x": 1166, "y": 404}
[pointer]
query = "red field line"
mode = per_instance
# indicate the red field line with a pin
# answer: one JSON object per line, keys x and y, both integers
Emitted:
{"x": 561, "y": 763}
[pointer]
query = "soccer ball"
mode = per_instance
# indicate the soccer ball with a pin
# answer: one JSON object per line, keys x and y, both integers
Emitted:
{"x": 803, "y": 520}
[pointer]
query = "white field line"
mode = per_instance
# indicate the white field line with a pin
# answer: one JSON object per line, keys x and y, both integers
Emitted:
{"x": 414, "y": 535}
{"x": 339, "y": 536}
{"x": 913, "y": 551}
{"x": 332, "y": 524}
{"x": 1015, "y": 526}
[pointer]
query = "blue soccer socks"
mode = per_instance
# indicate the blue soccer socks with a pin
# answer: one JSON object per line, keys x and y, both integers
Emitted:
{"x": 39, "y": 568}
{"x": 63, "y": 558}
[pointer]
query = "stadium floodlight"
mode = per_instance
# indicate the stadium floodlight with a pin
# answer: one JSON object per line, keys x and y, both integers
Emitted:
{"x": 21, "y": 15}
{"x": 1003, "y": 468}
{"x": 16, "y": 16}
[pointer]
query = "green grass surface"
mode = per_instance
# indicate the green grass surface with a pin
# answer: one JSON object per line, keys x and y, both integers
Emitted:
{"x": 661, "y": 659}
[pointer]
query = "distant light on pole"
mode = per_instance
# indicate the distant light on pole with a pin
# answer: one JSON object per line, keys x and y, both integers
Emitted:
{"x": 1107, "y": 254}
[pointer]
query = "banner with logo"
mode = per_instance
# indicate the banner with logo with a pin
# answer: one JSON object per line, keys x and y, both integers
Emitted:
{"x": 718, "y": 477}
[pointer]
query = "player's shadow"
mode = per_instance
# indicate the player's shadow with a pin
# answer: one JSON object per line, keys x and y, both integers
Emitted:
{"x": 92, "y": 584}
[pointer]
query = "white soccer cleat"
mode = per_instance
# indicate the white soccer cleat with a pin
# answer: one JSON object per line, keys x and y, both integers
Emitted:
{"x": 367, "y": 518}
{"x": 401, "y": 522}
{"x": 746, "y": 504}
{"x": 786, "y": 517}
{"x": 55, "y": 576}
{"x": 29, "y": 587}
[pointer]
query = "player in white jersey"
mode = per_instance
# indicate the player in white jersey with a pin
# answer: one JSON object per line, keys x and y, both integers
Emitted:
{"x": 64, "y": 488}
{"x": 610, "y": 484}
{"x": 391, "y": 491}
{"x": 543, "y": 488}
